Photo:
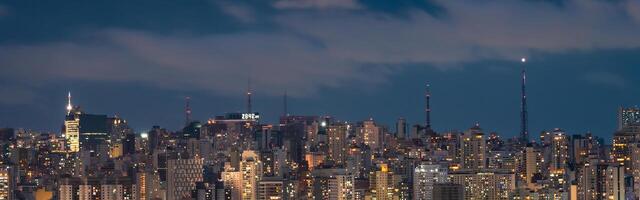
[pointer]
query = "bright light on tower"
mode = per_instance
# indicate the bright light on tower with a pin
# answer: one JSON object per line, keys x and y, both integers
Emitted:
{"x": 524, "y": 60}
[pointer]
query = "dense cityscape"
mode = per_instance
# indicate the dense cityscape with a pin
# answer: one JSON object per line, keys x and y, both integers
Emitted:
{"x": 237, "y": 157}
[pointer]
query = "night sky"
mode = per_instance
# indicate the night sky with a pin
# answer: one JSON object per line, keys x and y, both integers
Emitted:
{"x": 346, "y": 58}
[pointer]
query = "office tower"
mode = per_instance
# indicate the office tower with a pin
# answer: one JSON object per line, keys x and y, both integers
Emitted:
{"x": 448, "y": 191}
{"x": 251, "y": 169}
{"x": 182, "y": 175}
{"x": 425, "y": 177}
{"x": 369, "y": 134}
{"x": 7, "y": 182}
{"x": 628, "y": 117}
{"x": 84, "y": 131}
{"x": 337, "y": 139}
{"x": 72, "y": 127}
{"x": 270, "y": 188}
{"x": 524, "y": 115}
{"x": 473, "y": 148}
{"x": 491, "y": 185}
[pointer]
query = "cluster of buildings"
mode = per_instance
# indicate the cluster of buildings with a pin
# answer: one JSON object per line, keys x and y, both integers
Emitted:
{"x": 237, "y": 157}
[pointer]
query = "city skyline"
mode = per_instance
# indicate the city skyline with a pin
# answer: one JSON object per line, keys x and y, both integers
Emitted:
{"x": 320, "y": 100}
{"x": 418, "y": 115}
{"x": 352, "y": 59}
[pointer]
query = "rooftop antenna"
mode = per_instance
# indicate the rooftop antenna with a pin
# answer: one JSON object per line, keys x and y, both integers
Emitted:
{"x": 524, "y": 130}
{"x": 69, "y": 106}
{"x": 249, "y": 96}
{"x": 428, "y": 107}
{"x": 187, "y": 110}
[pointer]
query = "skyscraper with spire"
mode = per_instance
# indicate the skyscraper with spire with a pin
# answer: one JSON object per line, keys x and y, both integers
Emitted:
{"x": 524, "y": 129}
{"x": 71, "y": 128}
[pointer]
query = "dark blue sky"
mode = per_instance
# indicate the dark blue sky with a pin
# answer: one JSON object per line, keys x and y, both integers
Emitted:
{"x": 347, "y": 58}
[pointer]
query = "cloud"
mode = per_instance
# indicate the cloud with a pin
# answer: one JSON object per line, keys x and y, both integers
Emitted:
{"x": 317, "y": 4}
{"x": 241, "y": 12}
{"x": 220, "y": 64}
{"x": 605, "y": 78}
{"x": 313, "y": 49}
{"x": 633, "y": 8}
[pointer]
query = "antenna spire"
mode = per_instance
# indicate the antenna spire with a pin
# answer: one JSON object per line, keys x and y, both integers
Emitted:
{"x": 187, "y": 110}
{"x": 524, "y": 130}
{"x": 428, "y": 107}
{"x": 69, "y": 106}
{"x": 249, "y": 96}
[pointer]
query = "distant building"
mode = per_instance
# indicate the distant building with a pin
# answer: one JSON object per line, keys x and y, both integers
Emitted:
{"x": 628, "y": 116}
{"x": 425, "y": 177}
{"x": 473, "y": 149}
{"x": 448, "y": 191}
{"x": 485, "y": 184}
{"x": 182, "y": 176}
{"x": 8, "y": 178}
{"x": 270, "y": 189}
{"x": 370, "y": 134}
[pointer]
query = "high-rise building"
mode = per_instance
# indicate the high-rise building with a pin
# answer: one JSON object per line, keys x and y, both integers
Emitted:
{"x": 182, "y": 175}
{"x": 531, "y": 158}
{"x": 559, "y": 152}
{"x": 614, "y": 182}
{"x": 251, "y": 169}
{"x": 369, "y": 134}
{"x": 425, "y": 177}
{"x": 473, "y": 149}
{"x": 635, "y": 170}
{"x": 270, "y": 189}
{"x": 341, "y": 187}
{"x": 72, "y": 134}
{"x": 384, "y": 185}
{"x": 621, "y": 151}
{"x": 600, "y": 180}
{"x": 628, "y": 117}
{"x": 337, "y": 139}
{"x": 482, "y": 184}
{"x": 7, "y": 182}
{"x": 232, "y": 183}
